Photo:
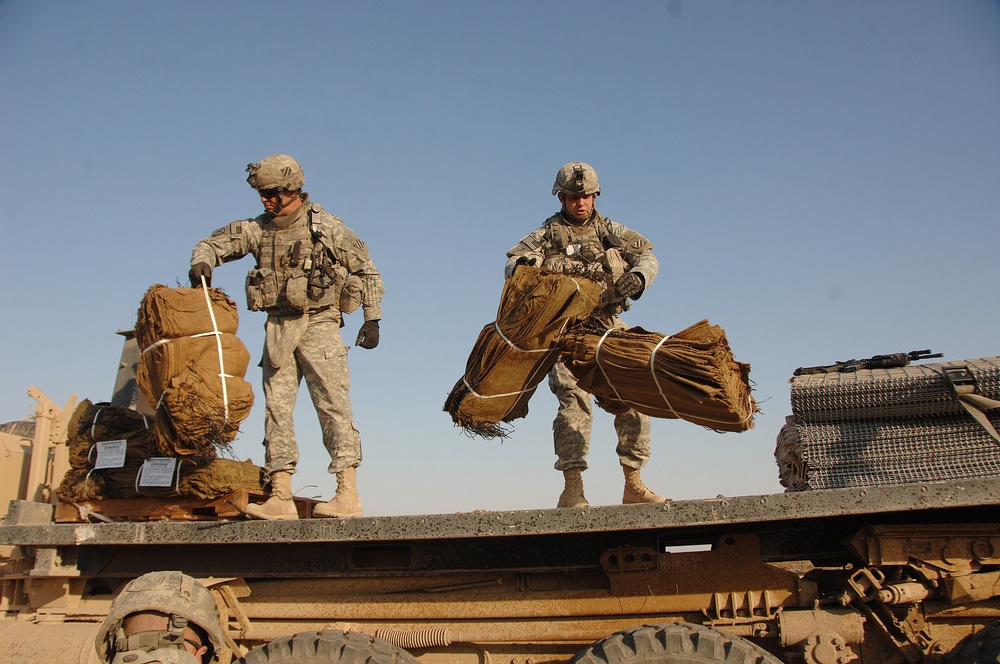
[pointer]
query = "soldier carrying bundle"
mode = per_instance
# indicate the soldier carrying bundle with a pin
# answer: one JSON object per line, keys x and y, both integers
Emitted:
{"x": 691, "y": 375}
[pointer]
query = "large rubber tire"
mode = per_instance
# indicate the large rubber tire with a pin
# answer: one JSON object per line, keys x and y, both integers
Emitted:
{"x": 983, "y": 647}
{"x": 677, "y": 643}
{"x": 328, "y": 647}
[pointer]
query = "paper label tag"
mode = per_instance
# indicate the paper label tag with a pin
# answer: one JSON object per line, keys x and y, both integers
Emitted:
{"x": 158, "y": 471}
{"x": 110, "y": 453}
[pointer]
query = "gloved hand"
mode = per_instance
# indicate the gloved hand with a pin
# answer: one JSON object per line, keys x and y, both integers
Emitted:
{"x": 521, "y": 260}
{"x": 199, "y": 270}
{"x": 368, "y": 334}
{"x": 630, "y": 284}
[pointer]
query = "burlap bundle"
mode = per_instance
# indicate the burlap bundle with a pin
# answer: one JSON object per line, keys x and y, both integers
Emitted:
{"x": 120, "y": 482}
{"x": 168, "y": 313}
{"x": 191, "y": 370}
{"x": 201, "y": 477}
{"x": 91, "y": 422}
{"x": 515, "y": 352}
{"x": 159, "y": 363}
{"x": 88, "y": 424}
{"x": 222, "y": 476}
{"x": 691, "y": 375}
{"x": 212, "y": 480}
{"x": 194, "y": 415}
{"x": 80, "y": 484}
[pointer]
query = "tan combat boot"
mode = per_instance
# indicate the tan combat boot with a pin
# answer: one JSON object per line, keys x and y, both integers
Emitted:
{"x": 572, "y": 495}
{"x": 345, "y": 504}
{"x": 280, "y": 506}
{"x": 636, "y": 491}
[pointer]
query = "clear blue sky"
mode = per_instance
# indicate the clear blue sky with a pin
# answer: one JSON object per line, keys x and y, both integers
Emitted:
{"x": 818, "y": 178}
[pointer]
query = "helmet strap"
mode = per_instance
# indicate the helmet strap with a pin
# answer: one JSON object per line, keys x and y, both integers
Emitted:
{"x": 278, "y": 204}
{"x": 172, "y": 636}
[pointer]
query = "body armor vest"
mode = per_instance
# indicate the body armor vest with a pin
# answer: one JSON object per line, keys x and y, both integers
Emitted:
{"x": 588, "y": 250}
{"x": 294, "y": 272}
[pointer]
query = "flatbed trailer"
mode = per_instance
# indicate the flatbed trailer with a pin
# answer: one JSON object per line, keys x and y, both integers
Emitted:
{"x": 888, "y": 574}
{"x": 885, "y": 574}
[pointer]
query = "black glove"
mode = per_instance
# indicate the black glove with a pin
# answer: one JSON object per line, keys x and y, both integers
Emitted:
{"x": 368, "y": 334}
{"x": 630, "y": 284}
{"x": 199, "y": 270}
{"x": 522, "y": 260}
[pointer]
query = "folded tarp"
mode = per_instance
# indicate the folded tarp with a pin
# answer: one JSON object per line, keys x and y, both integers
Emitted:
{"x": 207, "y": 477}
{"x": 192, "y": 368}
{"x": 515, "y": 352}
{"x": 169, "y": 313}
{"x": 691, "y": 375}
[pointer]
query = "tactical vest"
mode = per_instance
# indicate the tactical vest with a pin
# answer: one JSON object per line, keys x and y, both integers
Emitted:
{"x": 591, "y": 250}
{"x": 294, "y": 272}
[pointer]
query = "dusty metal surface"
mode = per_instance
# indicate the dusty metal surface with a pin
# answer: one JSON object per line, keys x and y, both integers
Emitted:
{"x": 30, "y": 523}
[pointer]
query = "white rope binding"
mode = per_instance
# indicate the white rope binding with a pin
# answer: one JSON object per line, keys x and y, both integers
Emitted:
{"x": 656, "y": 381}
{"x": 218, "y": 344}
{"x": 496, "y": 326}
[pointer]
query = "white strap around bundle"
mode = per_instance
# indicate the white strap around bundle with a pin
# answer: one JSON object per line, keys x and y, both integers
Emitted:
{"x": 218, "y": 344}
{"x": 656, "y": 380}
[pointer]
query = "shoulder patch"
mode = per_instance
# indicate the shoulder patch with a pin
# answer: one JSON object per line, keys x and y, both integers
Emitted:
{"x": 232, "y": 228}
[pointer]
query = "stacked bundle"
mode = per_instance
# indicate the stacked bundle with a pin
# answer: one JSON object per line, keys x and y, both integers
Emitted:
{"x": 691, "y": 375}
{"x": 890, "y": 426}
{"x": 515, "y": 352}
{"x": 91, "y": 424}
{"x": 88, "y": 424}
{"x": 192, "y": 368}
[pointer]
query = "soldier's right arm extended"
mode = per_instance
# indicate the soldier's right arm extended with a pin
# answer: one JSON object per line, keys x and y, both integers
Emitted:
{"x": 231, "y": 242}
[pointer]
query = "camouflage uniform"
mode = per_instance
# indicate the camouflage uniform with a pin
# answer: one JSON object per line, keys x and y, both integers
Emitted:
{"x": 308, "y": 269}
{"x": 602, "y": 250}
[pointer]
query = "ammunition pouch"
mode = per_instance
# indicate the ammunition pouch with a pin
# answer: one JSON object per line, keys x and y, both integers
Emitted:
{"x": 296, "y": 272}
{"x": 317, "y": 284}
{"x": 350, "y": 294}
{"x": 261, "y": 288}
{"x": 296, "y": 291}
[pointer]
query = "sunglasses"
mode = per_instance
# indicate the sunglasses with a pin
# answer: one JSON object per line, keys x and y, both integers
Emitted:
{"x": 270, "y": 193}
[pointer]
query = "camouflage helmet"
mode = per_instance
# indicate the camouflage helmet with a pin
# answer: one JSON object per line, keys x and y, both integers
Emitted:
{"x": 184, "y": 599}
{"x": 276, "y": 171}
{"x": 578, "y": 179}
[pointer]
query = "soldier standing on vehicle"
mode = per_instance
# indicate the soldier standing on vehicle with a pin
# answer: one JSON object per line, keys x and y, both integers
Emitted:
{"x": 311, "y": 269}
{"x": 578, "y": 240}
{"x": 161, "y": 618}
